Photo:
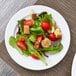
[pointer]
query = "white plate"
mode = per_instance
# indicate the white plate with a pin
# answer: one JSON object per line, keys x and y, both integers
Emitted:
{"x": 28, "y": 62}
{"x": 74, "y": 66}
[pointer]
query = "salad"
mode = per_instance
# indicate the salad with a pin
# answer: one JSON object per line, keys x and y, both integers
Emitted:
{"x": 36, "y": 36}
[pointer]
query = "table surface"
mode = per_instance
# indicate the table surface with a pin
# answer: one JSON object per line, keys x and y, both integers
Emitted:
{"x": 68, "y": 9}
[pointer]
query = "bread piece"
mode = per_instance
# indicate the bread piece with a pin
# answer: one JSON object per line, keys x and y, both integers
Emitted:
{"x": 26, "y": 29}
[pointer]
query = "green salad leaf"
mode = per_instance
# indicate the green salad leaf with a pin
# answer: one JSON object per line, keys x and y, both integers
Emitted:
{"x": 33, "y": 38}
{"x": 46, "y": 17}
{"x": 36, "y": 31}
{"x": 54, "y": 49}
{"x": 35, "y": 52}
{"x": 12, "y": 42}
{"x": 21, "y": 26}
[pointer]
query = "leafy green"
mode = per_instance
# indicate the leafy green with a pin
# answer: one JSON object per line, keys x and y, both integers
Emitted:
{"x": 43, "y": 14}
{"x": 37, "y": 31}
{"x": 32, "y": 38}
{"x": 12, "y": 42}
{"x": 23, "y": 35}
{"x": 26, "y": 53}
{"x": 47, "y": 17}
{"x": 54, "y": 49}
{"x": 35, "y": 52}
{"x": 21, "y": 26}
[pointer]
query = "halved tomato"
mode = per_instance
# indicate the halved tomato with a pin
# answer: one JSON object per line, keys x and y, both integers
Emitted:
{"x": 29, "y": 22}
{"x": 35, "y": 57}
{"x": 21, "y": 45}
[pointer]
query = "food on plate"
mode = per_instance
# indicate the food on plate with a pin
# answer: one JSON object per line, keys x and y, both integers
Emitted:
{"x": 36, "y": 36}
{"x": 46, "y": 43}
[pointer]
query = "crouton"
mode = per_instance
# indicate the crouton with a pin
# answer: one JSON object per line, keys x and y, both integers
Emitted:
{"x": 34, "y": 16}
{"x": 26, "y": 29}
{"x": 58, "y": 33}
{"x": 46, "y": 43}
{"x": 23, "y": 38}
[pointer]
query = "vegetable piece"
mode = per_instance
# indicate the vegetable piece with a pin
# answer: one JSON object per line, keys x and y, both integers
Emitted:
{"x": 57, "y": 42}
{"x": 29, "y": 22}
{"x": 19, "y": 31}
{"x": 58, "y": 33}
{"x": 12, "y": 42}
{"x": 26, "y": 29}
{"x": 46, "y": 34}
{"x": 33, "y": 51}
{"x": 32, "y": 38}
{"x": 34, "y": 57}
{"x": 36, "y": 45}
{"x": 34, "y": 16}
{"x": 23, "y": 38}
{"x": 39, "y": 38}
{"x": 38, "y": 42}
{"x": 46, "y": 17}
{"x": 43, "y": 14}
{"x": 21, "y": 45}
{"x": 46, "y": 43}
{"x": 52, "y": 37}
{"x": 21, "y": 25}
{"x": 53, "y": 49}
{"x": 36, "y": 31}
{"x": 26, "y": 53}
{"x": 46, "y": 25}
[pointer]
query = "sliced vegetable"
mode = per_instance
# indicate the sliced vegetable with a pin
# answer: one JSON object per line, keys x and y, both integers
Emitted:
{"x": 52, "y": 37}
{"x": 38, "y": 42}
{"x": 46, "y": 25}
{"x": 39, "y": 38}
{"x": 35, "y": 57}
{"x": 21, "y": 45}
{"x": 30, "y": 22}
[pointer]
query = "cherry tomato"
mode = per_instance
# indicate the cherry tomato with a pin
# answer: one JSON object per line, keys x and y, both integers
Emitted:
{"x": 52, "y": 37}
{"x": 46, "y": 25}
{"x": 35, "y": 57}
{"x": 39, "y": 39}
{"x": 28, "y": 22}
{"x": 21, "y": 45}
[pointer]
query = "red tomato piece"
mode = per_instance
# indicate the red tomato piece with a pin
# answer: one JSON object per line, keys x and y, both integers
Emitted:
{"x": 46, "y": 25}
{"x": 35, "y": 57}
{"x": 30, "y": 22}
{"x": 52, "y": 37}
{"x": 39, "y": 39}
{"x": 21, "y": 45}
